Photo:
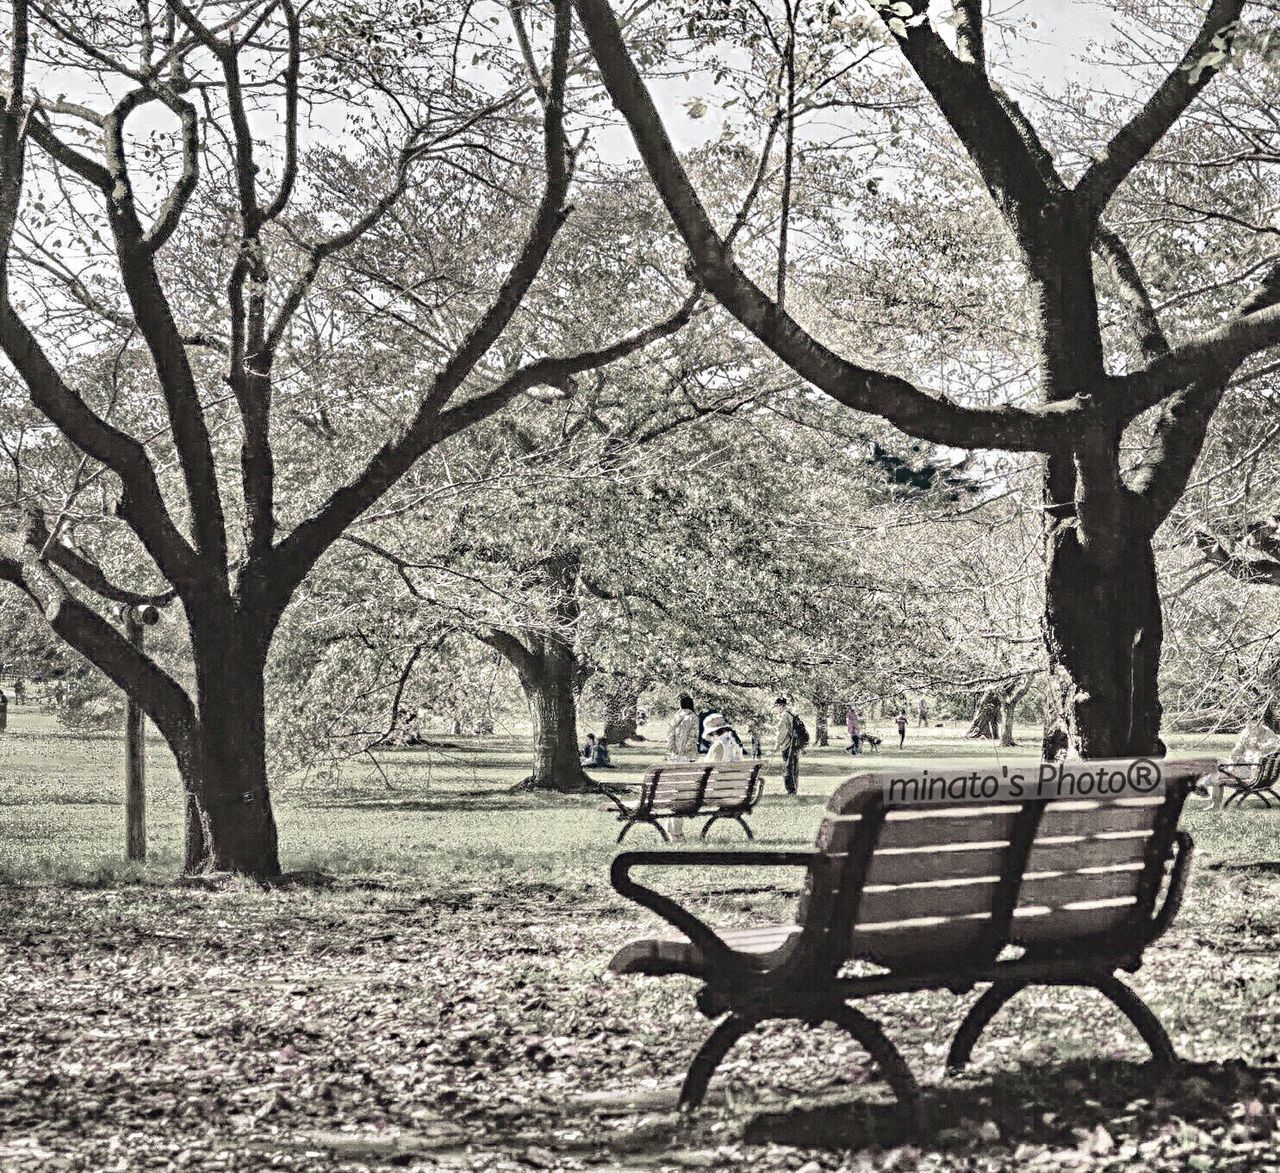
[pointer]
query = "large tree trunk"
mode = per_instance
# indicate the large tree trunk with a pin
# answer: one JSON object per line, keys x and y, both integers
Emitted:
{"x": 548, "y": 681}
{"x": 231, "y": 826}
{"x": 1104, "y": 631}
{"x": 1010, "y": 698}
{"x": 621, "y": 712}
{"x": 821, "y": 734}
{"x": 986, "y": 714}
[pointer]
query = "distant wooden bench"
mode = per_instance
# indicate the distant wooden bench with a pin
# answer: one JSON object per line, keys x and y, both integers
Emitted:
{"x": 722, "y": 790}
{"x": 1010, "y": 891}
{"x": 1261, "y": 783}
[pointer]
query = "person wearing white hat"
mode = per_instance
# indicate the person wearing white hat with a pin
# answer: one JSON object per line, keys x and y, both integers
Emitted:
{"x": 724, "y": 745}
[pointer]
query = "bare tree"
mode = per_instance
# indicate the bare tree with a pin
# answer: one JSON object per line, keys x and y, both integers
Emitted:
{"x": 222, "y": 72}
{"x": 1103, "y": 614}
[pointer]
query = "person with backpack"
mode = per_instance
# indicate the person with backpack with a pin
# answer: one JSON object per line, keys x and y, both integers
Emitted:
{"x": 790, "y": 737}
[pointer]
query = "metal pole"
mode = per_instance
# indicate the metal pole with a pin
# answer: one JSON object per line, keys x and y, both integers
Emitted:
{"x": 135, "y": 765}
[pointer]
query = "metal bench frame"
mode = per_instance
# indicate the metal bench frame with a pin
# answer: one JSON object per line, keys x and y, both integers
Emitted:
{"x": 697, "y": 804}
{"x": 807, "y": 985}
{"x": 1262, "y": 785}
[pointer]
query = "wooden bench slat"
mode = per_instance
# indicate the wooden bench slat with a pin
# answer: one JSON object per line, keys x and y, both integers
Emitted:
{"x": 1061, "y": 888}
{"x": 913, "y": 865}
{"x": 1088, "y": 851}
{"x": 928, "y": 833}
{"x": 1060, "y": 819}
{"x": 1064, "y": 924}
{"x": 962, "y": 898}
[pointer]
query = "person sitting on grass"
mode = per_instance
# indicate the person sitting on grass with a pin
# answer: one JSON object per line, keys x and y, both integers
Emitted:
{"x": 596, "y": 753}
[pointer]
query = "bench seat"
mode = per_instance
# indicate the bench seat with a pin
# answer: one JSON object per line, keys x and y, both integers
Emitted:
{"x": 667, "y": 954}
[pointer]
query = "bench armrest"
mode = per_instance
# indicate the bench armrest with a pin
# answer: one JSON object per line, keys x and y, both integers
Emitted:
{"x": 624, "y": 811}
{"x": 1184, "y": 848}
{"x": 702, "y": 935}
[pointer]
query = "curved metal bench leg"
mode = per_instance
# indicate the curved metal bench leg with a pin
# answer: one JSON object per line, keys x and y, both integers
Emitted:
{"x": 975, "y": 1022}
{"x": 1141, "y": 1015}
{"x": 657, "y": 826}
{"x": 743, "y": 824}
{"x": 1111, "y": 988}
{"x": 707, "y": 827}
{"x": 887, "y": 1058}
{"x": 711, "y": 1055}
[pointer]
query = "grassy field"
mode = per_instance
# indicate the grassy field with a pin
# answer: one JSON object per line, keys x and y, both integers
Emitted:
{"x": 442, "y": 1004}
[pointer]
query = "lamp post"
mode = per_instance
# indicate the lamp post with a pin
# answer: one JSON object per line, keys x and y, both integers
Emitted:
{"x": 136, "y": 621}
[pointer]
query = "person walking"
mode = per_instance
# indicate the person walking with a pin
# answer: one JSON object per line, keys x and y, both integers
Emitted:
{"x": 682, "y": 746}
{"x": 787, "y": 744}
{"x": 901, "y": 721}
{"x": 682, "y": 737}
{"x": 922, "y": 712}
{"x": 853, "y": 722}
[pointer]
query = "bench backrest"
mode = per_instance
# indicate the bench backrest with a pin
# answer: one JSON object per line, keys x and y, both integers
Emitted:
{"x": 952, "y": 882}
{"x": 686, "y": 787}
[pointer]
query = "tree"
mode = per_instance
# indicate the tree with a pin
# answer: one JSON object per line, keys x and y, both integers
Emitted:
{"x": 243, "y": 201}
{"x": 1103, "y": 619}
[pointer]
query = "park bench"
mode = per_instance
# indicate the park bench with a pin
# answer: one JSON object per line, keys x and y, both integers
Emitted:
{"x": 721, "y": 790}
{"x": 1260, "y": 783}
{"x": 903, "y": 896}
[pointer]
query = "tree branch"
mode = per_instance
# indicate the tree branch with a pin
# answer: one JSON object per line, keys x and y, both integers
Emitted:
{"x": 141, "y": 504}
{"x": 1143, "y": 318}
{"x": 1210, "y": 357}
{"x": 559, "y": 372}
{"x": 88, "y": 633}
{"x": 1130, "y": 145}
{"x": 927, "y": 416}
{"x": 296, "y": 554}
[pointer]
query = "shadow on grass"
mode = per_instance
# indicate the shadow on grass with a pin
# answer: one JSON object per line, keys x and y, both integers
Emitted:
{"x": 455, "y": 802}
{"x": 1053, "y": 1105}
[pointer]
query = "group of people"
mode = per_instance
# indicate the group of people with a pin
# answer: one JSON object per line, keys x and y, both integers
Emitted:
{"x": 857, "y": 735}
{"x": 711, "y": 736}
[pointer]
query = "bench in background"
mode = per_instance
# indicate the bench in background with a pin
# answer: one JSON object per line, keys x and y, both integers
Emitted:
{"x": 722, "y": 790}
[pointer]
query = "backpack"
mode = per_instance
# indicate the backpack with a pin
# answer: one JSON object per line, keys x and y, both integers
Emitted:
{"x": 799, "y": 734}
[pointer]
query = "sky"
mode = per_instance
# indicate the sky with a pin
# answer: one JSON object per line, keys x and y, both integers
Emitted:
{"x": 1052, "y": 46}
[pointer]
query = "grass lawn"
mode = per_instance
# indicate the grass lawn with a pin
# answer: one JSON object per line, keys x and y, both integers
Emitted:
{"x": 442, "y": 1003}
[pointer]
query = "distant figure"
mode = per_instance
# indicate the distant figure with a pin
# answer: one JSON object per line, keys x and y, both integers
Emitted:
{"x": 854, "y": 724}
{"x": 682, "y": 737}
{"x": 922, "y": 712}
{"x": 901, "y": 721}
{"x": 4, "y": 711}
{"x": 786, "y": 743}
{"x": 723, "y": 743}
{"x": 603, "y": 761}
{"x": 589, "y": 750}
{"x": 19, "y": 692}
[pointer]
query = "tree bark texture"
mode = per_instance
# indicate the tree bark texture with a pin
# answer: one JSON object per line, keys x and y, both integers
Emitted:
{"x": 549, "y": 683}
{"x": 621, "y": 713}
{"x": 821, "y": 730}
